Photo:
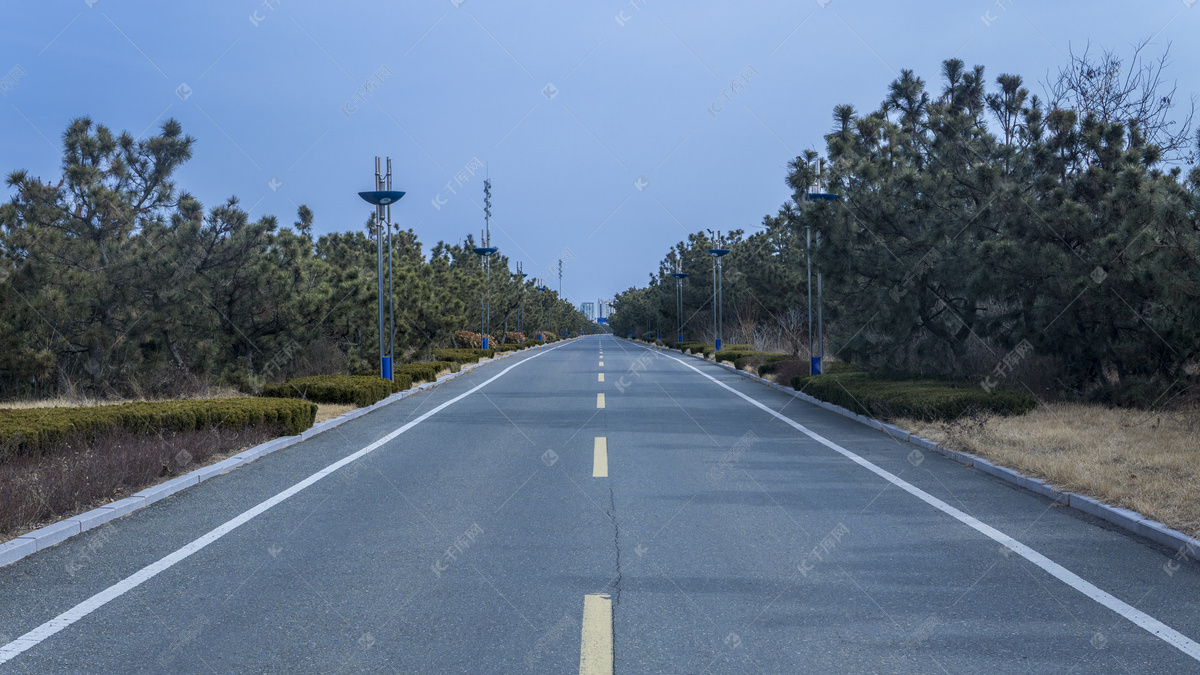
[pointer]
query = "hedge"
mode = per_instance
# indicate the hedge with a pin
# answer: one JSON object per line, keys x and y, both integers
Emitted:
{"x": 463, "y": 355}
{"x": 759, "y": 359}
{"x": 925, "y": 399}
{"x": 31, "y": 430}
{"x": 426, "y": 371}
{"x": 356, "y": 389}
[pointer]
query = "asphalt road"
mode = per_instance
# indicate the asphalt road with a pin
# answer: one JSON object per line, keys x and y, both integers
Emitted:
{"x": 686, "y": 521}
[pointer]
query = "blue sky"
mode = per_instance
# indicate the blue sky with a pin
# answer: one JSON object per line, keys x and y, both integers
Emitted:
{"x": 610, "y": 129}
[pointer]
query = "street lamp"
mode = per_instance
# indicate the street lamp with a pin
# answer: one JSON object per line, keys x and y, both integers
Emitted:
{"x": 717, "y": 254}
{"x": 815, "y": 359}
{"x": 382, "y": 197}
{"x": 521, "y": 310}
{"x": 679, "y": 277}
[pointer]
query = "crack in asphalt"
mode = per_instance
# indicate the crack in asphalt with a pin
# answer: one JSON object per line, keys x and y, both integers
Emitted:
{"x": 612, "y": 515}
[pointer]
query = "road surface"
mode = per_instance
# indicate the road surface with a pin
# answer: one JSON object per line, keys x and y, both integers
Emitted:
{"x": 596, "y": 506}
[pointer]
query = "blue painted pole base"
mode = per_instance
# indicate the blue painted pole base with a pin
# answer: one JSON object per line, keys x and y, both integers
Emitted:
{"x": 816, "y": 365}
{"x": 718, "y": 344}
{"x": 485, "y": 342}
{"x": 385, "y": 368}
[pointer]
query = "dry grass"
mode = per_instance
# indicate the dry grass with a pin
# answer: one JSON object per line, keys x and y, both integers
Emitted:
{"x": 328, "y": 411}
{"x": 83, "y": 473}
{"x": 1142, "y": 460}
{"x": 84, "y": 402}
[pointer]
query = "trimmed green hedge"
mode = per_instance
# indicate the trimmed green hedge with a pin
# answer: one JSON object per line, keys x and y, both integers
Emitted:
{"x": 426, "y": 371}
{"x": 463, "y": 355}
{"x": 356, "y": 389}
{"x": 696, "y": 348}
{"x": 29, "y": 431}
{"x": 889, "y": 398}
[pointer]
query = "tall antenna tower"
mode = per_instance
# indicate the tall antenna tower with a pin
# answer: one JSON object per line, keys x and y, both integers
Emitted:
{"x": 487, "y": 212}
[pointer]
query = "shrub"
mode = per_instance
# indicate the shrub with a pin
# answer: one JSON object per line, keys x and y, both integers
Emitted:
{"x": 426, "y": 371}
{"x": 756, "y": 360}
{"x": 33, "y": 430}
{"x": 463, "y": 355}
{"x": 358, "y": 390}
{"x": 891, "y": 397}
{"x": 465, "y": 339}
{"x": 514, "y": 337}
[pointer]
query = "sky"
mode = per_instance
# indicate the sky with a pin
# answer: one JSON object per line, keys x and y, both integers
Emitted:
{"x": 610, "y": 129}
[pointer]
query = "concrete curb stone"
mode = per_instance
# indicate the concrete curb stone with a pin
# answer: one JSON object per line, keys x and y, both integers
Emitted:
{"x": 12, "y": 551}
{"x": 53, "y": 534}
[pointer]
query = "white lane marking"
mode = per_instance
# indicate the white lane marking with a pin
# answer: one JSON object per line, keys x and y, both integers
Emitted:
{"x": 600, "y": 457}
{"x": 58, "y": 623}
{"x": 1134, "y": 615}
{"x": 601, "y": 377}
{"x": 599, "y": 400}
{"x": 596, "y": 645}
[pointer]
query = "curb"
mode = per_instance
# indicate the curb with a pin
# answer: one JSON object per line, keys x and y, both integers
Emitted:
{"x": 56, "y": 533}
{"x": 1131, "y": 521}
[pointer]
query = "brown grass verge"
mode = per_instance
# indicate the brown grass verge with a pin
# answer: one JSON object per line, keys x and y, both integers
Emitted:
{"x": 328, "y": 411}
{"x": 86, "y": 473}
{"x": 1148, "y": 461}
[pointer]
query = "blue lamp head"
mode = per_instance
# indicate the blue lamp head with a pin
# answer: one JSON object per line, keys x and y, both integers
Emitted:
{"x": 485, "y": 250}
{"x": 679, "y": 275}
{"x": 821, "y": 197}
{"x": 718, "y": 252}
{"x": 381, "y": 197}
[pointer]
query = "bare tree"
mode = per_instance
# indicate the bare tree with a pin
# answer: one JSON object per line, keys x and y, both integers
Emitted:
{"x": 1132, "y": 92}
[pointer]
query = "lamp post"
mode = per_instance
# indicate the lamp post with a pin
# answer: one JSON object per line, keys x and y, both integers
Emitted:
{"x": 559, "y": 287}
{"x": 679, "y": 275}
{"x": 521, "y": 309}
{"x": 817, "y": 358}
{"x": 382, "y": 197}
{"x": 718, "y": 319}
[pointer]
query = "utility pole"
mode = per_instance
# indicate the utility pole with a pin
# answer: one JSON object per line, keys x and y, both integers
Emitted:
{"x": 679, "y": 275}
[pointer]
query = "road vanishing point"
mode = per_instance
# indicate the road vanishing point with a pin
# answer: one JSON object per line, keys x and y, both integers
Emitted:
{"x": 601, "y": 506}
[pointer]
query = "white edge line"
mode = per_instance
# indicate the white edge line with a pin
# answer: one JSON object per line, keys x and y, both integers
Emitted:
{"x": 79, "y": 611}
{"x": 1132, "y": 614}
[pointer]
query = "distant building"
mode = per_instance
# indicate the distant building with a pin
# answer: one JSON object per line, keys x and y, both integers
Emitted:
{"x": 588, "y": 309}
{"x": 605, "y": 309}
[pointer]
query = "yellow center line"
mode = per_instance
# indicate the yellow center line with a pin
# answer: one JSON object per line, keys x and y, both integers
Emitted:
{"x": 601, "y": 377}
{"x": 599, "y": 400}
{"x": 600, "y": 458}
{"x": 596, "y": 649}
